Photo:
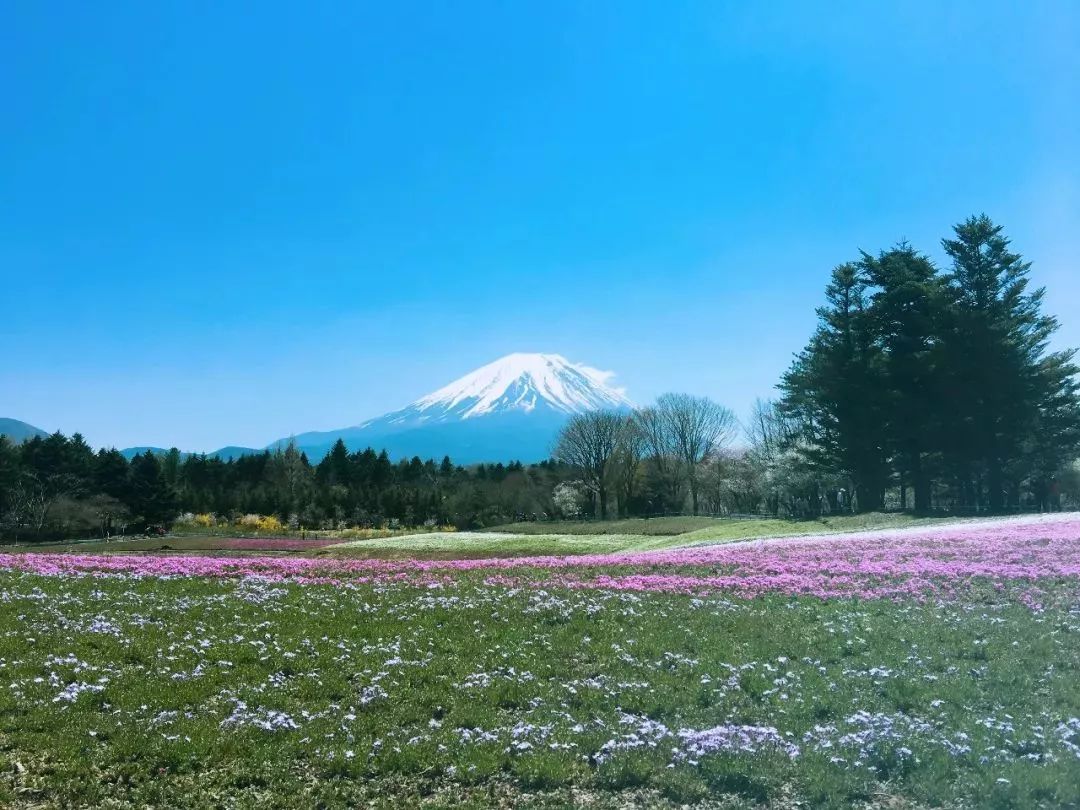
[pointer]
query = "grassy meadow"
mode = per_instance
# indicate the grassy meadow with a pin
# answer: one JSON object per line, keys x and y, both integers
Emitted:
{"x": 197, "y": 693}
{"x": 604, "y": 537}
{"x": 798, "y": 674}
{"x": 512, "y": 540}
{"x": 693, "y": 529}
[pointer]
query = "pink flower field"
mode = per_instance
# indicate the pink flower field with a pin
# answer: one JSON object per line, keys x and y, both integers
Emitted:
{"x": 922, "y": 562}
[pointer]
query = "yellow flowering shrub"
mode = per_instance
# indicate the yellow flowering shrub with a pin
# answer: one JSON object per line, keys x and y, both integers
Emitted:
{"x": 259, "y": 523}
{"x": 269, "y": 524}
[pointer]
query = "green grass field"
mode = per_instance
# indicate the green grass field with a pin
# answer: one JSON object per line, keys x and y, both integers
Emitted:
{"x": 646, "y": 526}
{"x": 730, "y": 530}
{"x": 596, "y": 537}
{"x": 514, "y": 540}
{"x": 720, "y": 528}
{"x": 192, "y": 693}
{"x": 477, "y": 545}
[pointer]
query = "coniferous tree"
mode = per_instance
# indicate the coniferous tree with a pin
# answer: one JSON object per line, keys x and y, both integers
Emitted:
{"x": 833, "y": 391}
{"x": 111, "y": 474}
{"x": 335, "y": 468}
{"x": 150, "y": 495}
{"x": 10, "y": 473}
{"x": 1018, "y": 400}
{"x": 904, "y": 314}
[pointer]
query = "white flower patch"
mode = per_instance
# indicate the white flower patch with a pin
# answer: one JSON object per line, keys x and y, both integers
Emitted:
{"x": 647, "y": 734}
{"x": 265, "y": 719}
{"x": 99, "y": 624}
{"x": 696, "y": 744}
{"x": 372, "y": 693}
{"x": 71, "y": 692}
{"x": 872, "y": 735}
{"x": 259, "y": 591}
{"x": 482, "y": 680}
{"x": 467, "y": 736}
{"x": 1068, "y": 734}
{"x": 732, "y": 739}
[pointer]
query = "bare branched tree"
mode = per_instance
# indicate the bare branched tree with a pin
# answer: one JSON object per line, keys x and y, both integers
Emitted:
{"x": 769, "y": 431}
{"x": 627, "y": 462}
{"x": 699, "y": 427}
{"x": 654, "y": 427}
{"x": 588, "y": 442}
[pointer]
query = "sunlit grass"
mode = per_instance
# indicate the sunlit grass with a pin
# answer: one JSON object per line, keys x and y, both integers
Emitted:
{"x": 195, "y": 693}
{"x": 522, "y": 539}
{"x": 677, "y": 524}
{"x": 470, "y": 545}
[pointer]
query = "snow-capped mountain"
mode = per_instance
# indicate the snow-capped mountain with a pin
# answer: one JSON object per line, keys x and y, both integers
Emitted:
{"x": 509, "y": 409}
{"x": 521, "y": 382}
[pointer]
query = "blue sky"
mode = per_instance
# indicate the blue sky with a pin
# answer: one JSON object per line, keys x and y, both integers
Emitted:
{"x": 219, "y": 226}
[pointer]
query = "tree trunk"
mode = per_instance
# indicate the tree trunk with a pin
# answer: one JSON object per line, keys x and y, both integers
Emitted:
{"x": 995, "y": 481}
{"x": 869, "y": 498}
{"x": 602, "y": 493}
{"x": 920, "y": 484}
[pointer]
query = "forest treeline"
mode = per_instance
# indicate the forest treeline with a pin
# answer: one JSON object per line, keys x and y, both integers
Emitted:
{"x": 921, "y": 388}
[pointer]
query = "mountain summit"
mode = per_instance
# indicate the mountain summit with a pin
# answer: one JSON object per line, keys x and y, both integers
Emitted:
{"x": 521, "y": 382}
{"x": 506, "y": 410}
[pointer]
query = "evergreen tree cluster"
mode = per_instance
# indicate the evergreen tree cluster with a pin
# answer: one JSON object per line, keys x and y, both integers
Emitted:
{"x": 58, "y": 487}
{"x": 937, "y": 385}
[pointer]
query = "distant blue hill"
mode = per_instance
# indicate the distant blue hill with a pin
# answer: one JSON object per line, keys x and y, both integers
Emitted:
{"x": 19, "y": 432}
{"x": 514, "y": 436}
{"x": 130, "y": 452}
{"x": 225, "y": 453}
{"x": 231, "y": 452}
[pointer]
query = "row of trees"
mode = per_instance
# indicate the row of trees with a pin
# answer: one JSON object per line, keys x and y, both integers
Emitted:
{"x": 59, "y": 487}
{"x": 653, "y": 459}
{"x": 939, "y": 386}
{"x": 48, "y": 485}
{"x": 656, "y": 460}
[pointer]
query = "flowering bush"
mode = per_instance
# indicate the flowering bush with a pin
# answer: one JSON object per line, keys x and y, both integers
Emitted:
{"x": 269, "y": 523}
{"x": 260, "y": 523}
{"x": 200, "y": 521}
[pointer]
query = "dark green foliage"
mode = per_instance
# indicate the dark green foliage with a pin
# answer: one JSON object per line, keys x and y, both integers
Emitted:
{"x": 56, "y": 487}
{"x": 904, "y": 315}
{"x": 834, "y": 390}
{"x": 1019, "y": 405}
{"x": 937, "y": 384}
{"x": 151, "y": 497}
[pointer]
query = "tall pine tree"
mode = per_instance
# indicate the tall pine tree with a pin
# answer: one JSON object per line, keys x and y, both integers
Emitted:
{"x": 833, "y": 391}
{"x": 1018, "y": 400}
{"x": 903, "y": 314}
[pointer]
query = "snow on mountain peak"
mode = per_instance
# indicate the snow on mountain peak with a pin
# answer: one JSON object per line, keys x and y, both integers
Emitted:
{"x": 522, "y": 382}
